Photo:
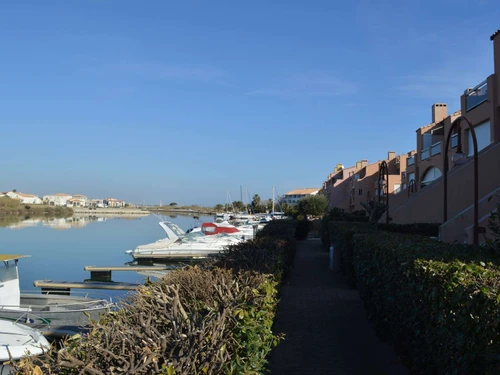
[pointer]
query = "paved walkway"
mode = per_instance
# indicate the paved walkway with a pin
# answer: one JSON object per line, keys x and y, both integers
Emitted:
{"x": 324, "y": 320}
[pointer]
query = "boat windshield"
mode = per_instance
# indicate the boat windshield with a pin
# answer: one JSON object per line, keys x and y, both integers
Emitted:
{"x": 178, "y": 231}
{"x": 193, "y": 236}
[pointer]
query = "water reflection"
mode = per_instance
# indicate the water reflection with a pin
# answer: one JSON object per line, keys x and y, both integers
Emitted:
{"x": 61, "y": 223}
{"x": 61, "y": 255}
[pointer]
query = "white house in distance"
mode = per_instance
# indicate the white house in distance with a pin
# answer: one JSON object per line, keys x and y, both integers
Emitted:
{"x": 112, "y": 202}
{"x": 78, "y": 200}
{"x": 292, "y": 197}
{"x": 24, "y": 198}
{"x": 59, "y": 199}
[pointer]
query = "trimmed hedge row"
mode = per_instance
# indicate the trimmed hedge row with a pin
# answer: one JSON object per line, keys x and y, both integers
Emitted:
{"x": 340, "y": 235}
{"x": 214, "y": 318}
{"x": 425, "y": 229}
{"x": 437, "y": 303}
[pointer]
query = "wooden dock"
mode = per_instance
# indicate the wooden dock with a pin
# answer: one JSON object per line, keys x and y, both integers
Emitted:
{"x": 103, "y": 273}
{"x": 64, "y": 287}
{"x": 187, "y": 257}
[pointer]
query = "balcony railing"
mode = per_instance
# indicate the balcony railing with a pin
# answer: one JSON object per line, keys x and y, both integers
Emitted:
{"x": 425, "y": 153}
{"x": 410, "y": 161}
{"x": 476, "y": 96}
{"x": 436, "y": 148}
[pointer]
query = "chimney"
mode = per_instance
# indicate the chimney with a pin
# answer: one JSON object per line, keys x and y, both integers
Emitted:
{"x": 496, "y": 51}
{"x": 439, "y": 112}
{"x": 339, "y": 167}
{"x": 358, "y": 165}
{"x": 364, "y": 163}
{"x": 391, "y": 155}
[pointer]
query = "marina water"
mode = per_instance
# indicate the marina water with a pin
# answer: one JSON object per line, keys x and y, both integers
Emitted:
{"x": 60, "y": 248}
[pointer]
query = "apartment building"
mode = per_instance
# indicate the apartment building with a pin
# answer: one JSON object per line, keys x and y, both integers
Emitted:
{"x": 292, "y": 197}
{"x": 337, "y": 183}
{"x": 348, "y": 188}
{"x": 480, "y": 106}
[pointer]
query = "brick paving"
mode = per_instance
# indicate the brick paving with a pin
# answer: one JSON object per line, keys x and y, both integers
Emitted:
{"x": 324, "y": 320}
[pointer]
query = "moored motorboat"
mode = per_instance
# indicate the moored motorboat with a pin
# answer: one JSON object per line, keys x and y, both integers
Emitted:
{"x": 17, "y": 341}
{"x": 53, "y": 314}
{"x": 183, "y": 246}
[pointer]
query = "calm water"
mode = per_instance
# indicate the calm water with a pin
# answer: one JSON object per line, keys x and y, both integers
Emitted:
{"x": 60, "y": 248}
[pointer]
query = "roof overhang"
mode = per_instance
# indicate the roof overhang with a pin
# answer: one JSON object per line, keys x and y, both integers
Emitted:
{"x": 7, "y": 257}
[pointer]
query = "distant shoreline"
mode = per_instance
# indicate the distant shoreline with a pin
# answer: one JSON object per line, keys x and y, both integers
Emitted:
{"x": 35, "y": 210}
{"x": 110, "y": 211}
{"x": 171, "y": 210}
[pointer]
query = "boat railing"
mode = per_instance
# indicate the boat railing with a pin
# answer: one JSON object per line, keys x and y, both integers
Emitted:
{"x": 99, "y": 297}
{"x": 26, "y": 320}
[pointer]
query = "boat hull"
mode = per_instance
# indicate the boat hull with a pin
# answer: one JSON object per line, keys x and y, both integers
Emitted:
{"x": 16, "y": 339}
{"x": 54, "y": 315}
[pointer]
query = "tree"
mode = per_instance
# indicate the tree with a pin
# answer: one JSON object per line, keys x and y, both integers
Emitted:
{"x": 255, "y": 200}
{"x": 269, "y": 205}
{"x": 173, "y": 204}
{"x": 256, "y": 204}
{"x": 238, "y": 206}
{"x": 219, "y": 207}
{"x": 313, "y": 205}
{"x": 290, "y": 210}
{"x": 375, "y": 210}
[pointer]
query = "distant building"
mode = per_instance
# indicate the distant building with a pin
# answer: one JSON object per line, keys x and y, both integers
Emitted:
{"x": 24, "y": 198}
{"x": 112, "y": 202}
{"x": 349, "y": 188}
{"x": 292, "y": 197}
{"x": 78, "y": 200}
{"x": 97, "y": 203}
{"x": 59, "y": 199}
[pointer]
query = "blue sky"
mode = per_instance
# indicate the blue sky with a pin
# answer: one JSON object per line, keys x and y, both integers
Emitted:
{"x": 181, "y": 101}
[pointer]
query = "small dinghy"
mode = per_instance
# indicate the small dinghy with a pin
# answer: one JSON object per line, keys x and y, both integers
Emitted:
{"x": 17, "y": 341}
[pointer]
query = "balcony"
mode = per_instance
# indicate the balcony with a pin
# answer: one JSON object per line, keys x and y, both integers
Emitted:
{"x": 436, "y": 148}
{"x": 425, "y": 153}
{"x": 410, "y": 161}
{"x": 476, "y": 96}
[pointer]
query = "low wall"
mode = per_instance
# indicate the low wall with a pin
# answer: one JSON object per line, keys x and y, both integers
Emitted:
{"x": 426, "y": 206}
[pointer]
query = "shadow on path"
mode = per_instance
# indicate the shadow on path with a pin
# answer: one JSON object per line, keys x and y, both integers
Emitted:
{"x": 324, "y": 320}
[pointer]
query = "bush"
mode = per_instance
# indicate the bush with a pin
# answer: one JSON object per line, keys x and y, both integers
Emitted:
{"x": 303, "y": 228}
{"x": 215, "y": 318}
{"x": 338, "y": 215}
{"x": 341, "y": 235}
{"x": 436, "y": 302}
{"x": 425, "y": 229}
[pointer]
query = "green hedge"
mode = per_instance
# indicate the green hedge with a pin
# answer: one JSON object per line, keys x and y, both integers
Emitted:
{"x": 425, "y": 229}
{"x": 214, "y": 318}
{"x": 337, "y": 216}
{"x": 438, "y": 303}
{"x": 303, "y": 228}
{"x": 340, "y": 235}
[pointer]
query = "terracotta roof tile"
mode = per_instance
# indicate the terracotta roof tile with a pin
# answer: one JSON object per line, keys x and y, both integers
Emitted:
{"x": 303, "y": 191}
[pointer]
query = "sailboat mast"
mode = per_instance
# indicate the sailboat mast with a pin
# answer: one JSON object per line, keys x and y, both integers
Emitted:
{"x": 273, "y": 200}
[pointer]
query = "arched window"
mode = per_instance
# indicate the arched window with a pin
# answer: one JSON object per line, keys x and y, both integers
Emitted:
{"x": 430, "y": 175}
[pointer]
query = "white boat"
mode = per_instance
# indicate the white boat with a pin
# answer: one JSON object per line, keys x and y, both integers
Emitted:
{"x": 54, "y": 314}
{"x": 244, "y": 231}
{"x": 17, "y": 341}
{"x": 180, "y": 245}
